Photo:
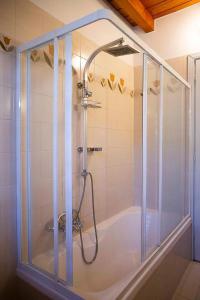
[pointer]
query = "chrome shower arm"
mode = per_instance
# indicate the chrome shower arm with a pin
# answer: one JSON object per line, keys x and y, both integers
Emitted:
{"x": 94, "y": 54}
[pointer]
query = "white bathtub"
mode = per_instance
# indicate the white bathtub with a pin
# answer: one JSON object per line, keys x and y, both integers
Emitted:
{"x": 118, "y": 258}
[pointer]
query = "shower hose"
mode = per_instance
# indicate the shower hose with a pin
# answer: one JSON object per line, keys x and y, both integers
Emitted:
{"x": 86, "y": 261}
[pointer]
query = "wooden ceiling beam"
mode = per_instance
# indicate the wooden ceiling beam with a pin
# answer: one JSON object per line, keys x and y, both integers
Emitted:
{"x": 168, "y": 6}
{"x": 135, "y": 12}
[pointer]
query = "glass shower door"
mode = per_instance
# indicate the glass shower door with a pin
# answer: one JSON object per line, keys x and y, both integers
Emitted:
{"x": 174, "y": 186}
{"x": 165, "y": 154}
{"x": 151, "y": 121}
{"x": 44, "y": 148}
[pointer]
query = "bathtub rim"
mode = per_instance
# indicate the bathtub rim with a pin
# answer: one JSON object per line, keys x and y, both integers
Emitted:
{"x": 56, "y": 290}
{"x": 148, "y": 267}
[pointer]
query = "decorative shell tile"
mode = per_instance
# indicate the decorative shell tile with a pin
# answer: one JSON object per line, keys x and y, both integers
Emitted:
{"x": 111, "y": 81}
{"x": 35, "y": 55}
{"x": 121, "y": 85}
{"x": 132, "y": 93}
{"x": 6, "y": 43}
{"x": 103, "y": 82}
{"x": 90, "y": 77}
{"x": 49, "y": 55}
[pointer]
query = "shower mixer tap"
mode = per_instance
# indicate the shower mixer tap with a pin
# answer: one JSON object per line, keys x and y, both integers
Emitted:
{"x": 88, "y": 93}
{"x": 90, "y": 149}
{"x": 90, "y": 103}
{"x": 76, "y": 222}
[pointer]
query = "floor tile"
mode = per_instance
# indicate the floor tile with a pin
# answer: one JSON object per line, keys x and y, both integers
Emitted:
{"x": 189, "y": 287}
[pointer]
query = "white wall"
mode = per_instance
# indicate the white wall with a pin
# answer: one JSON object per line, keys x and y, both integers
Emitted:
{"x": 175, "y": 35}
{"x": 70, "y": 10}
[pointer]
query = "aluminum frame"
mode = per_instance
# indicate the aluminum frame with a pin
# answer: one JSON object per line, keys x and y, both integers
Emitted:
{"x": 28, "y": 157}
{"x": 18, "y": 154}
{"x": 194, "y": 169}
{"x": 160, "y": 175}
{"x": 101, "y": 14}
{"x": 144, "y": 159}
{"x": 55, "y": 36}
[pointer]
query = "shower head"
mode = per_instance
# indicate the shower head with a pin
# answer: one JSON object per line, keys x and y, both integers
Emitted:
{"x": 121, "y": 50}
{"x": 115, "y": 48}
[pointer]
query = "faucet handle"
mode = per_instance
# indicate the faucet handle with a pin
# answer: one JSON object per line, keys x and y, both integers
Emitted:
{"x": 62, "y": 222}
{"x": 88, "y": 93}
{"x": 49, "y": 228}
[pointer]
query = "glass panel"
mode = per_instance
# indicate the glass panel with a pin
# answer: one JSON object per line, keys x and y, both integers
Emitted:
{"x": 40, "y": 140}
{"x": 152, "y": 205}
{"x": 174, "y": 154}
{"x": 41, "y": 155}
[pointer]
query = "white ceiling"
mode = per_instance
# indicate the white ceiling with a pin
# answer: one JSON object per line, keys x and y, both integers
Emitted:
{"x": 175, "y": 35}
{"x": 69, "y": 10}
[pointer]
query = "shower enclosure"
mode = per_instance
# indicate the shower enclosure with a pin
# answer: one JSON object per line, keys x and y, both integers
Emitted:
{"x": 104, "y": 158}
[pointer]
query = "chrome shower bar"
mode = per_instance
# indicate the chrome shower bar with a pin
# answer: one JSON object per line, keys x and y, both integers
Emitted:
{"x": 86, "y": 94}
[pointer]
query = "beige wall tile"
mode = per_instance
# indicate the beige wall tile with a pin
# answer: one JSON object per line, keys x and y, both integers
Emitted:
{"x": 7, "y": 65}
{"x": 7, "y": 105}
{"x": 6, "y": 131}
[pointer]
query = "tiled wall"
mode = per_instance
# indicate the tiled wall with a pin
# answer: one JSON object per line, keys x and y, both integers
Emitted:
{"x": 7, "y": 170}
{"x": 21, "y": 21}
